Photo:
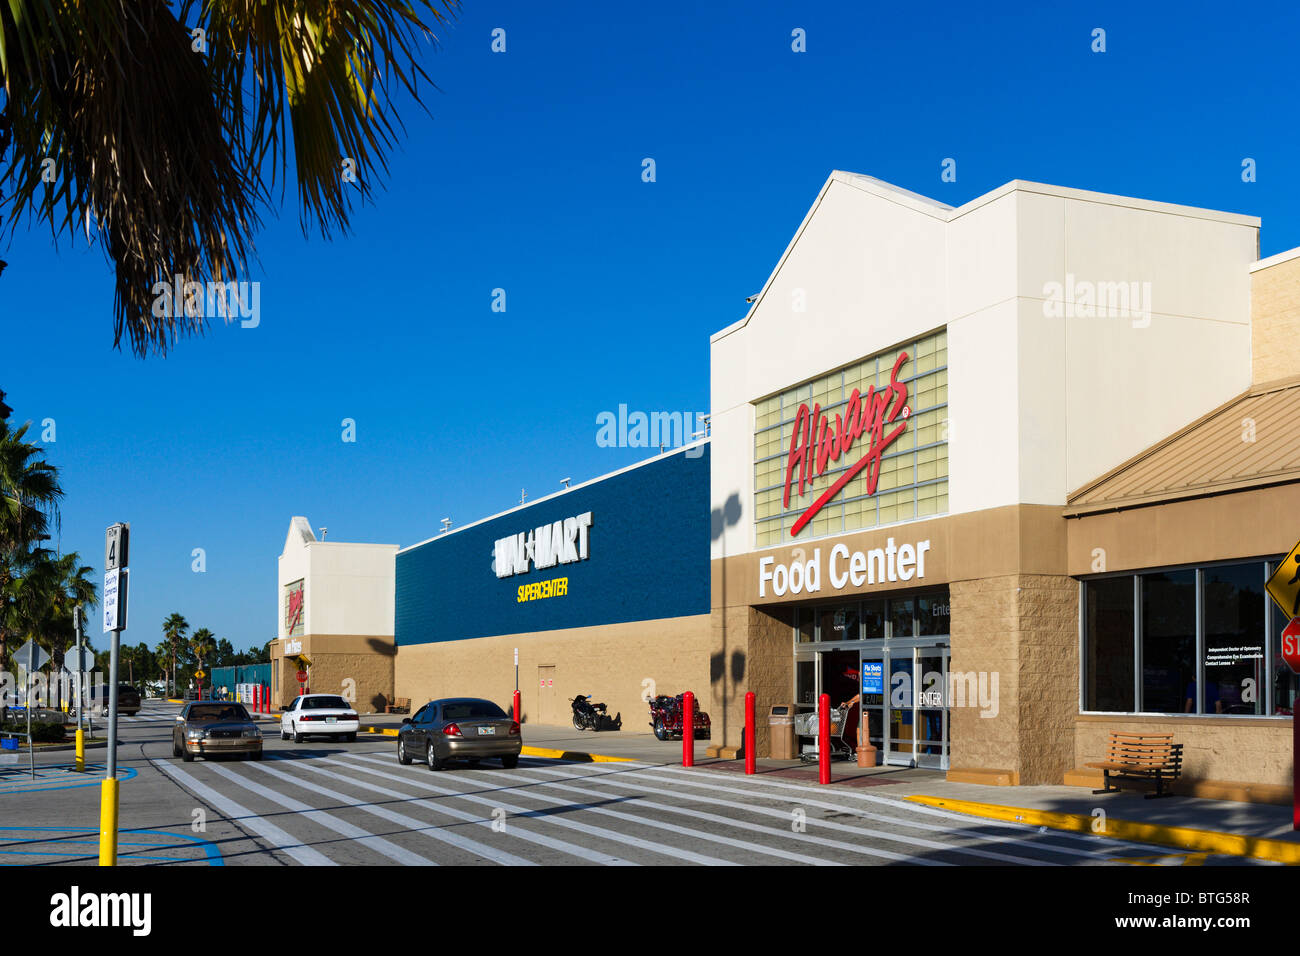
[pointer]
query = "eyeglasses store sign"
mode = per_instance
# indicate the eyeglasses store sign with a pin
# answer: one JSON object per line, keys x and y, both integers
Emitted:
{"x": 892, "y": 563}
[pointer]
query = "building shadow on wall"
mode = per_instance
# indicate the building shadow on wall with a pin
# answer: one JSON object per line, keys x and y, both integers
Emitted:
{"x": 379, "y": 701}
{"x": 728, "y": 516}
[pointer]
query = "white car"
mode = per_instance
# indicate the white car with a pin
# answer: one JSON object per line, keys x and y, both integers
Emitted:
{"x": 319, "y": 715}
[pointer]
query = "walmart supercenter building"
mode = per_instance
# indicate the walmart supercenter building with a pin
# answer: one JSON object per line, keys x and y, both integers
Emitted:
{"x": 1018, "y": 469}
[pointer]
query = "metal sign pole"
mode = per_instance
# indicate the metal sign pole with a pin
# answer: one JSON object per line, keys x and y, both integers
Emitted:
{"x": 76, "y": 692}
{"x": 31, "y": 745}
{"x": 115, "y": 581}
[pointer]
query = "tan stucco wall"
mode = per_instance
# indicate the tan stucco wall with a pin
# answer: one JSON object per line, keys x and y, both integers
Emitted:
{"x": 1275, "y": 321}
{"x": 1023, "y": 628}
{"x": 1235, "y": 749}
{"x": 615, "y": 663}
{"x": 752, "y": 650}
{"x": 340, "y": 664}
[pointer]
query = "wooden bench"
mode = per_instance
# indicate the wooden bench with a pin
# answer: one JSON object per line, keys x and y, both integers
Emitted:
{"x": 1141, "y": 756}
{"x": 398, "y": 705}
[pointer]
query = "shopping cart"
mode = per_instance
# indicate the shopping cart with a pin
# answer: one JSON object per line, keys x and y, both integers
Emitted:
{"x": 806, "y": 725}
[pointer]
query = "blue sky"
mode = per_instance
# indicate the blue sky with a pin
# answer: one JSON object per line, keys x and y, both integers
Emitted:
{"x": 526, "y": 176}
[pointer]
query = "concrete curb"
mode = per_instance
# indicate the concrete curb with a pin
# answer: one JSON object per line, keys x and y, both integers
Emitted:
{"x": 89, "y": 745}
{"x": 577, "y": 756}
{"x": 1183, "y": 838}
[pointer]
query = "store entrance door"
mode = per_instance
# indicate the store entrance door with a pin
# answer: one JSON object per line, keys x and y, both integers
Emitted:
{"x": 916, "y": 683}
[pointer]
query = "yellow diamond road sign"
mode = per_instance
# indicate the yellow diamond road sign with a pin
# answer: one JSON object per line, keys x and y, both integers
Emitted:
{"x": 1284, "y": 585}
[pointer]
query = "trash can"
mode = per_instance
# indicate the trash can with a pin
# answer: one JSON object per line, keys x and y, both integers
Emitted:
{"x": 780, "y": 721}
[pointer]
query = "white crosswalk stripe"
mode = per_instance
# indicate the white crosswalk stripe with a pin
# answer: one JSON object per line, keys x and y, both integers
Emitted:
{"x": 784, "y": 815}
{"x": 412, "y": 824}
{"x": 663, "y": 849}
{"x": 571, "y": 849}
{"x": 560, "y": 812}
{"x": 246, "y": 818}
{"x": 635, "y": 780}
{"x": 783, "y": 833}
{"x": 330, "y": 822}
{"x": 1104, "y": 844}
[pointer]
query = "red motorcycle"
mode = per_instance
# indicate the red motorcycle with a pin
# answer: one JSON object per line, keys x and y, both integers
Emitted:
{"x": 666, "y": 718}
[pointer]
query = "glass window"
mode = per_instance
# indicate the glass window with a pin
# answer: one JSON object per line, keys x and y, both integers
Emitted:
{"x": 840, "y": 623}
{"x": 324, "y": 703}
{"x": 925, "y": 376}
{"x": 807, "y": 625}
{"x": 805, "y": 686}
{"x": 902, "y": 613}
{"x": 873, "y": 620}
{"x": 933, "y": 615}
{"x": 472, "y": 710}
{"x": 1234, "y": 608}
{"x": 1108, "y": 616}
{"x": 1169, "y": 642}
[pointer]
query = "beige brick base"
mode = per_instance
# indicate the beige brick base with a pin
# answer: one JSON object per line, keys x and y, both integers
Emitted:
{"x": 615, "y": 663}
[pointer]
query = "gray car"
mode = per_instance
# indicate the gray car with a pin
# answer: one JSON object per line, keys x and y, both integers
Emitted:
{"x": 459, "y": 728}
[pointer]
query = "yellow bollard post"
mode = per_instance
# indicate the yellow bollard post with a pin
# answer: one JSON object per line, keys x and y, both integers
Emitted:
{"x": 108, "y": 823}
{"x": 81, "y": 750}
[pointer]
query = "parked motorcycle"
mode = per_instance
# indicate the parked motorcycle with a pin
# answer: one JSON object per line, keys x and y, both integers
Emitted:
{"x": 666, "y": 718}
{"x": 592, "y": 716}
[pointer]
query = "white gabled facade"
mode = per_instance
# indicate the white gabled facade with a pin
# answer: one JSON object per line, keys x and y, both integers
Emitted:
{"x": 1042, "y": 397}
{"x": 348, "y": 587}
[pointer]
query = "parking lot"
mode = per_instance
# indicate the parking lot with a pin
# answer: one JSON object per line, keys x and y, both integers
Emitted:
{"x": 329, "y": 803}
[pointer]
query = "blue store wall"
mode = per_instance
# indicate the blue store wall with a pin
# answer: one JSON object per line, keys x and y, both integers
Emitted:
{"x": 649, "y": 558}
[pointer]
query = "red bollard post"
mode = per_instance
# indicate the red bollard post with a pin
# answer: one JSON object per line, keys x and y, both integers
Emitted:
{"x": 749, "y": 734}
{"x": 517, "y": 710}
{"x": 824, "y": 739}
{"x": 688, "y": 729}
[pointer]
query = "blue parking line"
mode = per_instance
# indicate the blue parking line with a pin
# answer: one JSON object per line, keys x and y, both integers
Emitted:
{"x": 178, "y": 859}
{"x": 125, "y": 773}
{"x": 209, "y": 849}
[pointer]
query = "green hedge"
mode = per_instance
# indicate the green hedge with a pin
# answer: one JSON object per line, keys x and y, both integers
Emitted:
{"x": 43, "y": 732}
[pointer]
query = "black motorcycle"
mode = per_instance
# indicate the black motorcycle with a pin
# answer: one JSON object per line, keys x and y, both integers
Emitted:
{"x": 590, "y": 716}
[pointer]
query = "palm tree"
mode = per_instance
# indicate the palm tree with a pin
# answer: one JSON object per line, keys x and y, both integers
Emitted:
{"x": 203, "y": 645}
{"x": 94, "y": 93}
{"x": 161, "y": 655}
{"x": 174, "y": 629}
{"x": 29, "y": 503}
{"x": 62, "y": 584}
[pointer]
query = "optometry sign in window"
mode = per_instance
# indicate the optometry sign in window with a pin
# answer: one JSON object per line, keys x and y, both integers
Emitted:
{"x": 863, "y": 446}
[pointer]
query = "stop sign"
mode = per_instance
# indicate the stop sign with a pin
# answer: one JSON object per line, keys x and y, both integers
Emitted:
{"x": 1291, "y": 644}
{"x": 302, "y": 677}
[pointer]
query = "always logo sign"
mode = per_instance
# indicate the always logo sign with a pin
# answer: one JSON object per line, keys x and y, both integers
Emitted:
{"x": 816, "y": 443}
